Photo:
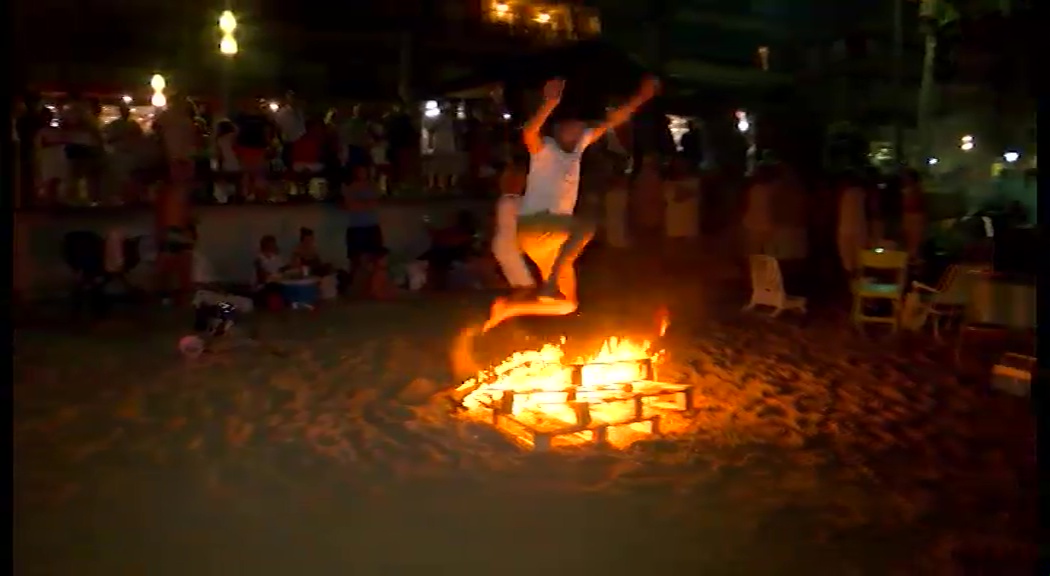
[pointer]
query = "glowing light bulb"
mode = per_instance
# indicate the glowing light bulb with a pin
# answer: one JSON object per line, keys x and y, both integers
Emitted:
{"x": 502, "y": 8}
{"x": 1011, "y": 156}
{"x": 274, "y": 106}
{"x": 126, "y": 99}
{"x": 228, "y": 45}
{"x": 932, "y": 161}
{"x": 159, "y": 100}
{"x": 543, "y": 18}
{"x": 227, "y": 22}
{"x": 158, "y": 83}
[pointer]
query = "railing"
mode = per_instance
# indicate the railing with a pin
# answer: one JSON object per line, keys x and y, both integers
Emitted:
{"x": 208, "y": 187}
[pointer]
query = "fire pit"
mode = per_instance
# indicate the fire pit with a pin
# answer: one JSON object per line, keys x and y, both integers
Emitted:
{"x": 540, "y": 401}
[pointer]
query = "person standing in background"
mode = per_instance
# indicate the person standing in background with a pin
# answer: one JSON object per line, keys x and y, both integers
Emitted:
{"x": 254, "y": 132}
{"x": 647, "y": 205}
{"x": 403, "y": 145}
{"x": 124, "y": 138}
{"x": 913, "y": 221}
{"x": 852, "y": 233}
{"x": 354, "y": 140}
{"x": 176, "y": 236}
{"x": 758, "y": 214}
{"x": 291, "y": 123}
{"x": 79, "y": 122}
{"x": 52, "y": 166}
{"x": 682, "y": 197}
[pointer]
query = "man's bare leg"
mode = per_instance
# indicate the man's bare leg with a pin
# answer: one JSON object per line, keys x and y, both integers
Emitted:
{"x": 558, "y": 295}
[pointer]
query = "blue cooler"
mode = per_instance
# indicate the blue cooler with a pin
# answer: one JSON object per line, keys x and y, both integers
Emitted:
{"x": 302, "y": 292}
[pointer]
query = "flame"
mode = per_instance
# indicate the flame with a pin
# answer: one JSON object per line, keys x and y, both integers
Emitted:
{"x": 546, "y": 398}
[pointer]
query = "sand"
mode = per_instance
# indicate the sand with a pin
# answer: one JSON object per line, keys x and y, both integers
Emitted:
{"x": 329, "y": 449}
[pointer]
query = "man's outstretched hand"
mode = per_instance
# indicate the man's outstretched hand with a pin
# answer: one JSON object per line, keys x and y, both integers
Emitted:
{"x": 553, "y": 89}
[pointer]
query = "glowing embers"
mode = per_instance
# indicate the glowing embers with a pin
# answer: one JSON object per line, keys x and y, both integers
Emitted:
{"x": 540, "y": 403}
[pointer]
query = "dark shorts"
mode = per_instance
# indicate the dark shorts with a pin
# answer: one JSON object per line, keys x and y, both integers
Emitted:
{"x": 358, "y": 156}
{"x": 82, "y": 152}
{"x": 364, "y": 241}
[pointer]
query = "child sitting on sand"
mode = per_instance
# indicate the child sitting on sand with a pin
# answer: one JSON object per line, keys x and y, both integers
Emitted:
{"x": 270, "y": 268}
{"x": 306, "y": 254}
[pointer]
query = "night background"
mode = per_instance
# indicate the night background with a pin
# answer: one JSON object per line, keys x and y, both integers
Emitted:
{"x": 328, "y": 420}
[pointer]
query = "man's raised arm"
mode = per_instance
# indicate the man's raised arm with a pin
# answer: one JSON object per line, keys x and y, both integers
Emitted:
{"x": 530, "y": 133}
{"x": 650, "y": 86}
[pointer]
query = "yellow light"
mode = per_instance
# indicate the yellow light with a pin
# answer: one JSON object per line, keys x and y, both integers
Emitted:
{"x": 126, "y": 99}
{"x": 274, "y": 106}
{"x": 157, "y": 83}
{"x": 967, "y": 138}
{"x": 228, "y": 46}
{"x": 227, "y": 22}
{"x": 543, "y": 18}
{"x": 502, "y": 8}
{"x": 158, "y": 100}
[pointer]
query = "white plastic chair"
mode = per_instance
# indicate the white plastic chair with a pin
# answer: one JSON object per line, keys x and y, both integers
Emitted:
{"x": 767, "y": 287}
{"x": 945, "y": 301}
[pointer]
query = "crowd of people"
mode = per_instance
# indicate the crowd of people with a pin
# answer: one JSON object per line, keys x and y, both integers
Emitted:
{"x": 263, "y": 151}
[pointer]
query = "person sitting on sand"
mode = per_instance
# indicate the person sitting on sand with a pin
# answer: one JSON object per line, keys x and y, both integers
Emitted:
{"x": 270, "y": 265}
{"x": 306, "y": 254}
{"x": 546, "y": 228}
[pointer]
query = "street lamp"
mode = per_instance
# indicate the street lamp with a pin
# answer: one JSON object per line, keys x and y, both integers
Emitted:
{"x": 227, "y": 24}
{"x": 227, "y": 47}
{"x": 158, "y": 84}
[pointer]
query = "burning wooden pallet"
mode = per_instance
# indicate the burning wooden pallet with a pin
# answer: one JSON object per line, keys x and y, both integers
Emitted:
{"x": 581, "y": 413}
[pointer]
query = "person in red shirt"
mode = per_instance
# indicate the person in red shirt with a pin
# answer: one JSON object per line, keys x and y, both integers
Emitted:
{"x": 307, "y": 155}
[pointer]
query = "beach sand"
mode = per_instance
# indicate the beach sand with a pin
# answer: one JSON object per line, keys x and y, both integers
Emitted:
{"x": 329, "y": 449}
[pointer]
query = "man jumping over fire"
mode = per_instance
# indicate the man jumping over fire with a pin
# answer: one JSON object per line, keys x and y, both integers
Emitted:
{"x": 547, "y": 231}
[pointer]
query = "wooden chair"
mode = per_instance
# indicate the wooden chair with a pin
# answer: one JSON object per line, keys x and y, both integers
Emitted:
{"x": 867, "y": 290}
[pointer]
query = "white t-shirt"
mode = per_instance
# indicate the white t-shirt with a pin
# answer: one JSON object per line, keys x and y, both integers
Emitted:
{"x": 270, "y": 264}
{"x": 553, "y": 182}
{"x": 443, "y": 136}
{"x": 291, "y": 123}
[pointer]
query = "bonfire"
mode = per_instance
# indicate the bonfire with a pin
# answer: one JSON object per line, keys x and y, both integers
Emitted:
{"x": 541, "y": 400}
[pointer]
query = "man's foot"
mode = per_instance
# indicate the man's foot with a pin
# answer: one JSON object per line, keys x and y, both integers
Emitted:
{"x": 497, "y": 314}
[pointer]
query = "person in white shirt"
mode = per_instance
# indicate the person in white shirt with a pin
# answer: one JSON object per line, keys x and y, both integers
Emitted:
{"x": 446, "y": 162}
{"x": 291, "y": 122}
{"x": 546, "y": 229}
